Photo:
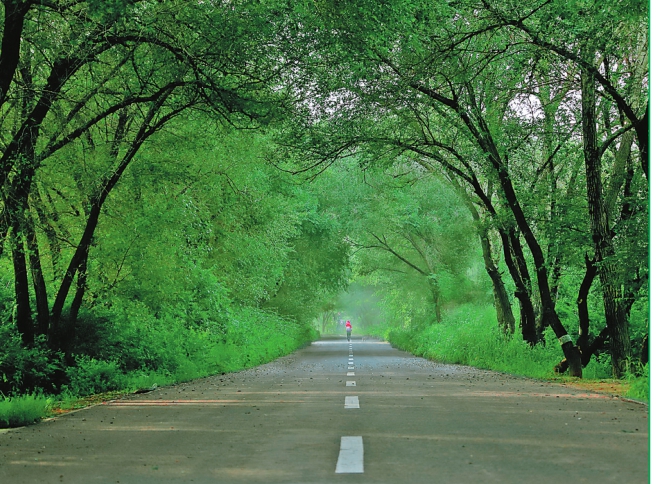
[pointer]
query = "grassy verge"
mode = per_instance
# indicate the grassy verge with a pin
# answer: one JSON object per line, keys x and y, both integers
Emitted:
{"x": 248, "y": 341}
{"x": 469, "y": 336}
{"x": 23, "y": 410}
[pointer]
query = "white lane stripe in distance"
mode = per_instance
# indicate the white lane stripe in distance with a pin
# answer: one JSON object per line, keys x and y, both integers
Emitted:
{"x": 351, "y": 402}
{"x": 351, "y": 384}
{"x": 350, "y": 373}
{"x": 351, "y": 368}
{"x": 351, "y": 456}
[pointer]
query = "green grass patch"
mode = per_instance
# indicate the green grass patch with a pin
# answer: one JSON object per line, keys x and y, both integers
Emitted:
{"x": 23, "y": 410}
{"x": 640, "y": 385}
{"x": 135, "y": 351}
{"x": 469, "y": 335}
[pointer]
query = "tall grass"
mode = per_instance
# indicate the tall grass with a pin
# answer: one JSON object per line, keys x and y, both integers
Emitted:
{"x": 23, "y": 410}
{"x": 469, "y": 335}
{"x": 640, "y": 388}
{"x": 129, "y": 349}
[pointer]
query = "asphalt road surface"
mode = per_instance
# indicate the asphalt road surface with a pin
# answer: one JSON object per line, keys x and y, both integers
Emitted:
{"x": 322, "y": 416}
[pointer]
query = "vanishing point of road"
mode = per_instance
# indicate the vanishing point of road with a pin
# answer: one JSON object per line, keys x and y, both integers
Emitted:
{"x": 339, "y": 413}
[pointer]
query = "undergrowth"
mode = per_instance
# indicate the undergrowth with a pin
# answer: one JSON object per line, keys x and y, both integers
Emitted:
{"x": 469, "y": 335}
{"x": 23, "y": 410}
{"x": 133, "y": 350}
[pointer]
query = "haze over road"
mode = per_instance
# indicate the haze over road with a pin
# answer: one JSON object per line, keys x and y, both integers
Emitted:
{"x": 406, "y": 420}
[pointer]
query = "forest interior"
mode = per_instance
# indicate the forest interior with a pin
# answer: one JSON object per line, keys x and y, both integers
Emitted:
{"x": 194, "y": 188}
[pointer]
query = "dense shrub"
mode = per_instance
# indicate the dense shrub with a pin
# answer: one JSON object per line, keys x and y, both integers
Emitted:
{"x": 124, "y": 346}
{"x": 469, "y": 335}
{"x": 26, "y": 370}
{"x": 91, "y": 376}
{"x": 23, "y": 410}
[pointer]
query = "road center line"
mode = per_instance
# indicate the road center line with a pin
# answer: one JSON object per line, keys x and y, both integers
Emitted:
{"x": 351, "y": 384}
{"x": 350, "y": 373}
{"x": 351, "y": 456}
{"x": 351, "y": 402}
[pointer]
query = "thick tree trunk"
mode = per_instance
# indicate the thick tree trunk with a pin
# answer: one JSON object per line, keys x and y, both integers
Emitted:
{"x": 523, "y": 290}
{"x": 12, "y": 30}
{"x": 23, "y": 317}
{"x": 582, "y": 304}
{"x": 505, "y": 318}
{"x": 615, "y": 314}
{"x": 644, "y": 358}
{"x": 38, "y": 281}
{"x": 81, "y": 287}
{"x": 19, "y": 157}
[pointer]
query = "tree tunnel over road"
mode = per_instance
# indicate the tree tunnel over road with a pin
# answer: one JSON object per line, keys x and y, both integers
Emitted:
{"x": 407, "y": 420}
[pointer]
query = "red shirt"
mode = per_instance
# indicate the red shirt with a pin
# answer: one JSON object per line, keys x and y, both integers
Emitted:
{"x": 348, "y": 326}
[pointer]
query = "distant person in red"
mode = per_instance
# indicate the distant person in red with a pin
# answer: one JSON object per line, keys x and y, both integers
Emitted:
{"x": 349, "y": 328}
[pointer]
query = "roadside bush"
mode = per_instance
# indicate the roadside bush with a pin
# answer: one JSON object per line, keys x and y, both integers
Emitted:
{"x": 640, "y": 388}
{"x": 469, "y": 335}
{"x": 91, "y": 376}
{"x": 22, "y": 410}
{"x": 125, "y": 346}
{"x": 27, "y": 370}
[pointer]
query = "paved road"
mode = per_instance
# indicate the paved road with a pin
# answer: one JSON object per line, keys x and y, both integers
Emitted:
{"x": 287, "y": 422}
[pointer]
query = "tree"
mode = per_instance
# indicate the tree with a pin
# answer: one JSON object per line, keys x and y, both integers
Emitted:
{"x": 105, "y": 78}
{"x": 447, "y": 85}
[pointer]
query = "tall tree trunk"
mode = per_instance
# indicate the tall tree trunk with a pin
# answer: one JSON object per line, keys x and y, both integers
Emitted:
{"x": 505, "y": 318}
{"x": 38, "y": 281}
{"x": 81, "y": 287}
{"x": 12, "y": 30}
{"x": 615, "y": 314}
{"x": 23, "y": 316}
{"x": 583, "y": 300}
{"x": 524, "y": 290}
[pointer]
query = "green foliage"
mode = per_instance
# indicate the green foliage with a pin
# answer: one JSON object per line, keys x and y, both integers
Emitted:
{"x": 90, "y": 376}
{"x": 640, "y": 385}
{"x": 23, "y": 410}
{"x": 206, "y": 258}
{"x": 469, "y": 336}
{"x": 28, "y": 370}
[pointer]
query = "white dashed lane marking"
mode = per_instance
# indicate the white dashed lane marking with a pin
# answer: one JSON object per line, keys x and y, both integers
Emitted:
{"x": 350, "y": 373}
{"x": 351, "y": 402}
{"x": 350, "y": 384}
{"x": 351, "y": 456}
